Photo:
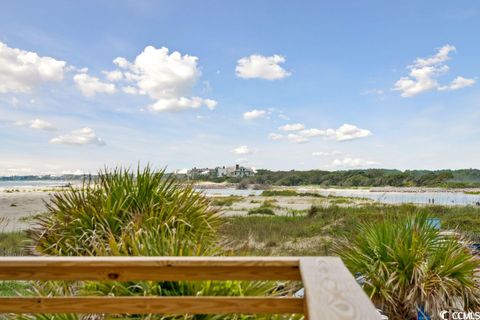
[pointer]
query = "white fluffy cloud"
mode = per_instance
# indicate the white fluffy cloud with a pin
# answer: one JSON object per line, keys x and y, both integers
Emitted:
{"x": 258, "y": 66}
{"x": 182, "y": 103}
{"x": 167, "y": 78}
{"x": 343, "y": 133}
{"x": 352, "y": 163}
{"x": 255, "y": 114}
{"x": 458, "y": 83}
{"x": 89, "y": 86}
{"x": 347, "y": 132}
{"x": 242, "y": 150}
{"x": 292, "y": 127}
{"x": 78, "y": 137}
{"x": 425, "y": 72}
{"x": 301, "y": 135}
{"x": 275, "y": 136}
{"x": 22, "y": 71}
{"x": 37, "y": 124}
{"x": 113, "y": 76}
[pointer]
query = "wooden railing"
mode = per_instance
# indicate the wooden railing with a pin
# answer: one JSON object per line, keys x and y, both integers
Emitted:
{"x": 331, "y": 292}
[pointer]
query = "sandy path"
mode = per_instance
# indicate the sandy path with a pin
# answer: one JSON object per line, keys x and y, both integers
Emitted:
{"x": 17, "y": 205}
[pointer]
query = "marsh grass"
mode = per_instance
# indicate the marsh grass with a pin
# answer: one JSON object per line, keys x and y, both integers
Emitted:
{"x": 266, "y": 208}
{"x": 225, "y": 201}
{"x": 290, "y": 193}
{"x": 12, "y": 243}
{"x": 317, "y": 232}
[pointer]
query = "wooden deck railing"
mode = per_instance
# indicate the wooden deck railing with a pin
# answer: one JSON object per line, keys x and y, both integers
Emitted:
{"x": 331, "y": 292}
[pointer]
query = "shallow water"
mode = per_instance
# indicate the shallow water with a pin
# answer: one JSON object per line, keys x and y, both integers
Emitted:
{"x": 429, "y": 197}
{"x": 27, "y": 184}
{"x": 440, "y": 198}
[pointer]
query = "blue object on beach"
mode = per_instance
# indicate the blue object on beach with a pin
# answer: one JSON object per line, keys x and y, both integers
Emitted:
{"x": 434, "y": 222}
{"x": 422, "y": 315}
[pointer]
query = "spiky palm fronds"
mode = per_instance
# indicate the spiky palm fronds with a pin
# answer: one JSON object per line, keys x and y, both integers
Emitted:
{"x": 408, "y": 264}
{"x": 142, "y": 213}
{"x": 108, "y": 215}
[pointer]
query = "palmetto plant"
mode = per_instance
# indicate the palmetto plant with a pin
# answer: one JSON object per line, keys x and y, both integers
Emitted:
{"x": 408, "y": 265}
{"x": 142, "y": 213}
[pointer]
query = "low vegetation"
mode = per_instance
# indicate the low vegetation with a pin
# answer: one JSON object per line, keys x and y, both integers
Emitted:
{"x": 407, "y": 266}
{"x": 315, "y": 232}
{"x": 12, "y": 243}
{"x": 142, "y": 213}
{"x": 149, "y": 213}
{"x": 290, "y": 193}
{"x": 261, "y": 210}
{"x": 225, "y": 201}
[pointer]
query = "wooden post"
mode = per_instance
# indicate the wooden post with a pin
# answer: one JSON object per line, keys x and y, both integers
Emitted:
{"x": 332, "y": 293}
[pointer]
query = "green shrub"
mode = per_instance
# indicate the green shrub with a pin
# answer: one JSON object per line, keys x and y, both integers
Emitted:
{"x": 261, "y": 210}
{"x": 407, "y": 264}
{"x": 142, "y": 213}
{"x": 225, "y": 201}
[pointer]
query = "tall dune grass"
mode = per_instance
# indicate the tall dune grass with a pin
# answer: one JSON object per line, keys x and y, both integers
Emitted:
{"x": 141, "y": 213}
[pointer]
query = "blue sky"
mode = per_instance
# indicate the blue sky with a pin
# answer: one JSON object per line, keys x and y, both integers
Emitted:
{"x": 332, "y": 84}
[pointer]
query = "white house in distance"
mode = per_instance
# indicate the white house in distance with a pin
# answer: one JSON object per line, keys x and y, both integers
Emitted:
{"x": 236, "y": 171}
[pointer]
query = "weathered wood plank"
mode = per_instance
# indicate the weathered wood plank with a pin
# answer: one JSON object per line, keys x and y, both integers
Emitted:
{"x": 156, "y": 305}
{"x": 150, "y": 261}
{"x": 149, "y": 268}
{"x": 148, "y": 273}
{"x": 332, "y": 293}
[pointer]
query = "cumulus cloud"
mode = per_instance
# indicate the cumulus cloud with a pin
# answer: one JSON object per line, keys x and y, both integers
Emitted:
{"x": 258, "y": 66}
{"x": 347, "y": 132}
{"x": 424, "y": 74}
{"x": 352, "y": 163}
{"x": 37, "y": 124}
{"x": 458, "y": 83}
{"x": 343, "y": 133}
{"x": 113, "y": 76}
{"x": 22, "y": 71}
{"x": 301, "y": 135}
{"x": 441, "y": 56}
{"x": 89, "y": 86}
{"x": 182, "y": 103}
{"x": 275, "y": 136}
{"x": 292, "y": 127}
{"x": 254, "y": 114}
{"x": 167, "y": 78}
{"x": 78, "y": 137}
{"x": 242, "y": 150}
{"x": 41, "y": 124}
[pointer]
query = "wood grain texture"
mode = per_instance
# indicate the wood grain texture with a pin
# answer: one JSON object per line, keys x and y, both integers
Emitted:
{"x": 150, "y": 261}
{"x": 332, "y": 293}
{"x": 149, "y": 273}
{"x": 148, "y": 268}
{"x": 155, "y": 305}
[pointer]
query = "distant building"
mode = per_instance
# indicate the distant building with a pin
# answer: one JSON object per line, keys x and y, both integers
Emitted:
{"x": 195, "y": 172}
{"x": 236, "y": 171}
